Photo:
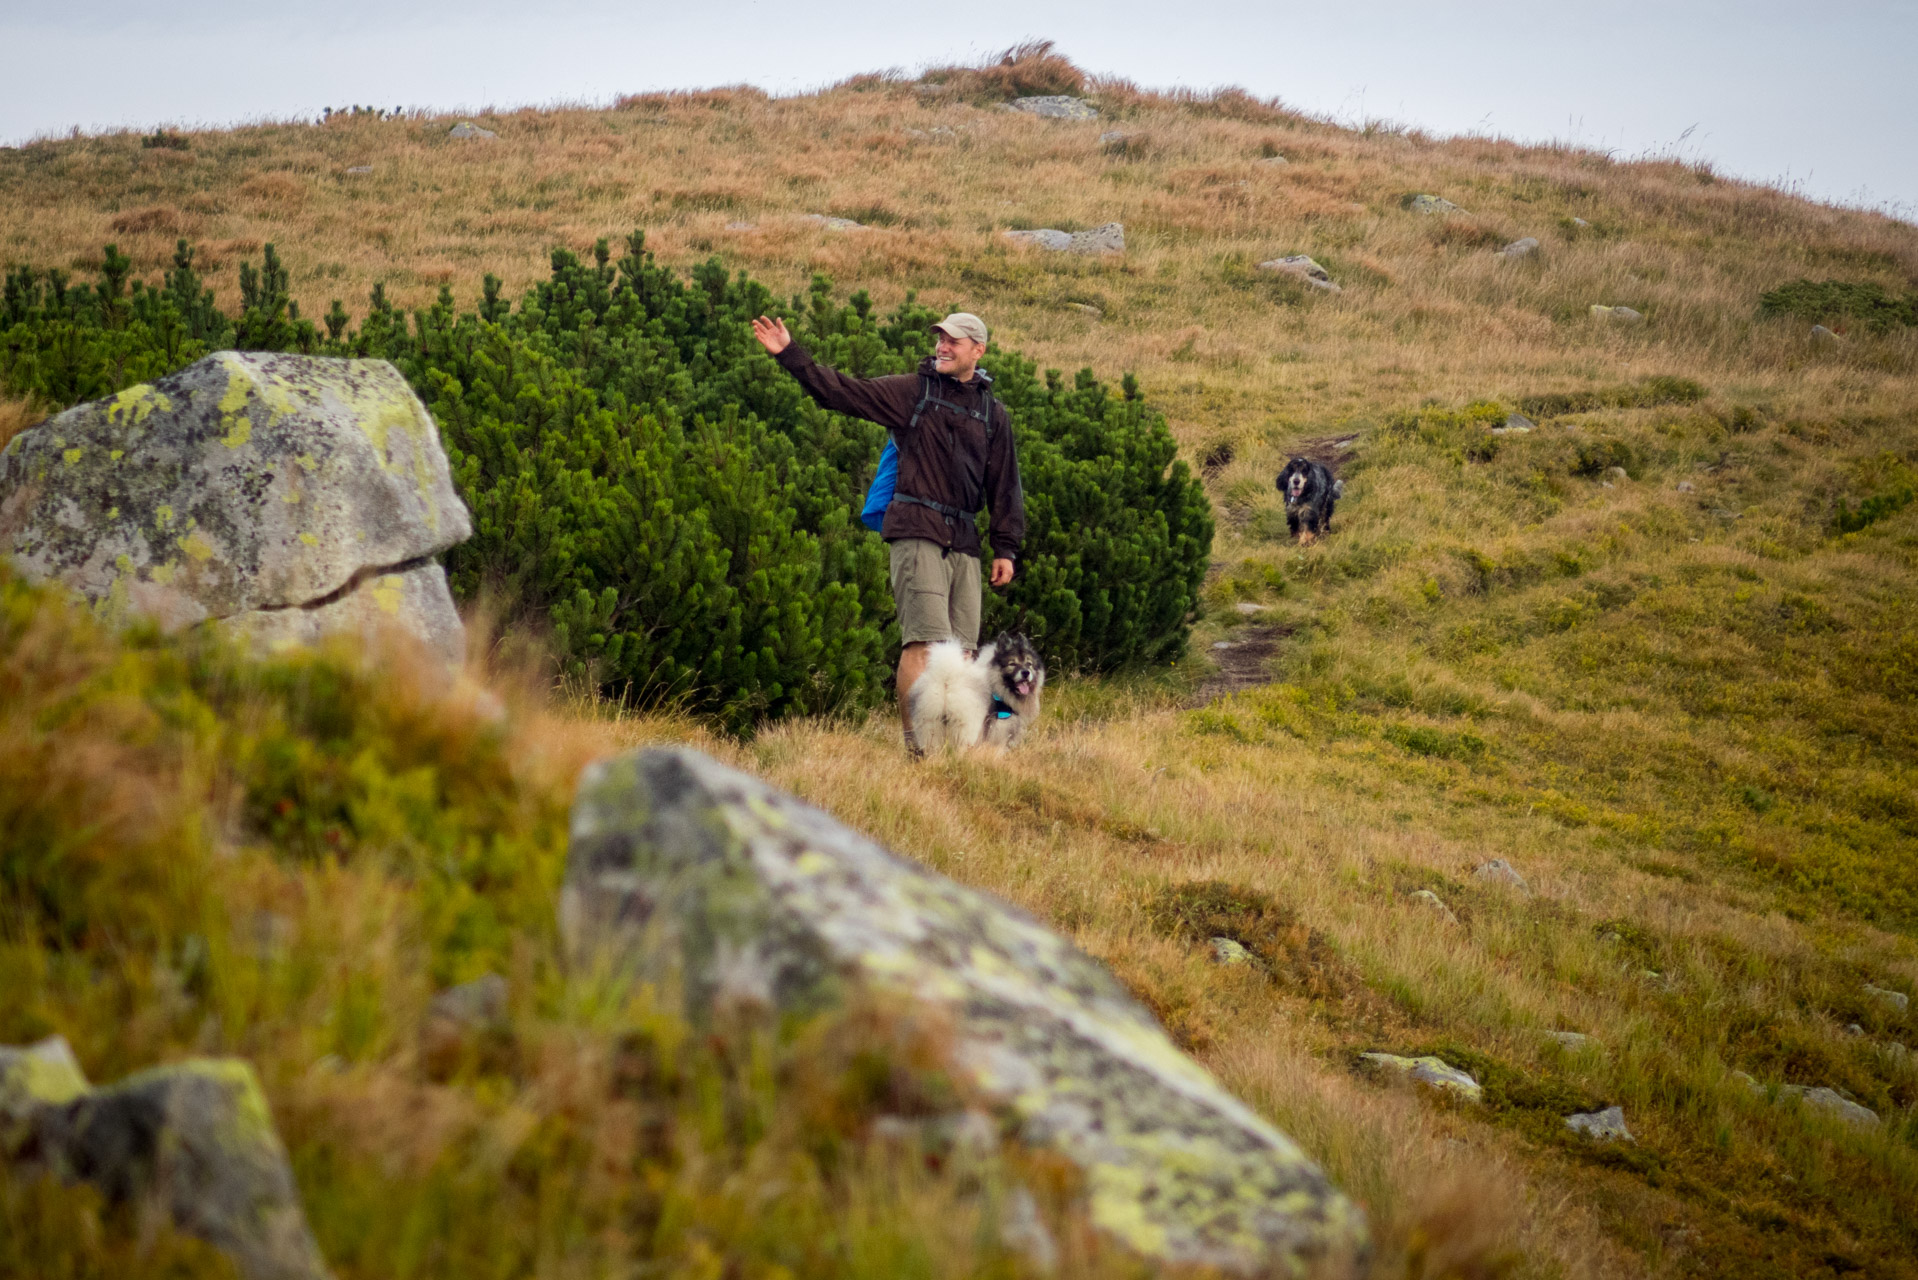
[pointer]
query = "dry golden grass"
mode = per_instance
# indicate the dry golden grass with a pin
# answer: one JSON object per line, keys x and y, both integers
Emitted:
{"x": 1610, "y": 779}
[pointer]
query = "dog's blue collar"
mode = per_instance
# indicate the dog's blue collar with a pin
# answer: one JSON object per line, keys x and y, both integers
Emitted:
{"x": 1000, "y": 709}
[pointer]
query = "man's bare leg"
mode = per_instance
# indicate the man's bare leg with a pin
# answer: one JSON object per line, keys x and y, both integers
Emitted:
{"x": 912, "y": 665}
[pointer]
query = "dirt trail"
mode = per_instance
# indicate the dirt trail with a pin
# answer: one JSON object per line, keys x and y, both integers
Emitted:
{"x": 1242, "y": 663}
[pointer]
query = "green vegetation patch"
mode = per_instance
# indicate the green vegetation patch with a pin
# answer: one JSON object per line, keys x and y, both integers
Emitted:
{"x": 1872, "y": 306}
{"x": 1295, "y": 956}
{"x": 646, "y": 482}
{"x": 1645, "y": 394}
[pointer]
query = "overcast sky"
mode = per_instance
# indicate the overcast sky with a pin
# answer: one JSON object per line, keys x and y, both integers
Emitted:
{"x": 1821, "y": 98}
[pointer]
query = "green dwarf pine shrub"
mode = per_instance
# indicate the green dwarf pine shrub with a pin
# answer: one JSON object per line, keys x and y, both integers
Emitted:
{"x": 1872, "y": 305}
{"x": 647, "y": 481}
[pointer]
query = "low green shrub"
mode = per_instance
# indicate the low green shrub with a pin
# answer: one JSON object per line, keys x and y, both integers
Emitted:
{"x": 1648, "y": 393}
{"x": 1873, "y": 509}
{"x": 1871, "y": 305}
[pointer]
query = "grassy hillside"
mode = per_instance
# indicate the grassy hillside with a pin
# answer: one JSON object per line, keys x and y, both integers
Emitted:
{"x": 1680, "y": 701}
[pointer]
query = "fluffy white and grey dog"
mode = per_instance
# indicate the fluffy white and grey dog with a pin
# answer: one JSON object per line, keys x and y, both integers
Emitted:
{"x": 960, "y": 702}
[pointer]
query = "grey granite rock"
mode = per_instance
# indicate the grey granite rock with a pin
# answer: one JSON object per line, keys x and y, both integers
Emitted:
{"x": 1433, "y": 1072}
{"x": 1515, "y": 424}
{"x": 1830, "y": 1100}
{"x": 1896, "y": 1000}
{"x": 1499, "y": 871}
{"x": 1571, "y": 1040}
{"x": 1305, "y": 269}
{"x": 1519, "y": 249}
{"x": 1435, "y": 903}
{"x": 832, "y": 223}
{"x": 1617, "y": 315}
{"x": 1430, "y": 204}
{"x": 194, "y": 1139}
{"x": 1819, "y": 333}
{"x": 1226, "y": 951}
{"x": 1601, "y": 1126}
{"x": 1109, "y": 238}
{"x": 711, "y": 883}
{"x": 1044, "y": 238}
{"x": 245, "y": 487}
{"x": 1056, "y": 107}
{"x": 467, "y": 129}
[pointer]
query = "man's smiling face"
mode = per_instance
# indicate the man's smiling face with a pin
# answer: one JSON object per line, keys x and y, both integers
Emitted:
{"x": 957, "y": 357}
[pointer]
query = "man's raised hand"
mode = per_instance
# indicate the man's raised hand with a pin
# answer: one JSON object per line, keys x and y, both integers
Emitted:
{"x": 772, "y": 334}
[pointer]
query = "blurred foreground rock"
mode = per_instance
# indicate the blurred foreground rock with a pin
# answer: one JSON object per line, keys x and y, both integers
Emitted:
{"x": 193, "y": 1140}
{"x": 706, "y": 880}
{"x": 279, "y": 497}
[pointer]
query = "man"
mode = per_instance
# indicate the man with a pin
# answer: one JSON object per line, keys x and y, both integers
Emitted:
{"x": 955, "y": 454}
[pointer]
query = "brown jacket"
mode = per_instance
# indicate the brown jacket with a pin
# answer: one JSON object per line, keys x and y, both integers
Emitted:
{"x": 945, "y": 459}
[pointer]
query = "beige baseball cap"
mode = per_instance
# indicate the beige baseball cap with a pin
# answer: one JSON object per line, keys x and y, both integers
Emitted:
{"x": 963, "y": 324}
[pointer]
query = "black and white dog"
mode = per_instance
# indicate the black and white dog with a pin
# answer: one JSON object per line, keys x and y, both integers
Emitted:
{"x": 961, "y": 702}
{"x": 1310, "y": 494}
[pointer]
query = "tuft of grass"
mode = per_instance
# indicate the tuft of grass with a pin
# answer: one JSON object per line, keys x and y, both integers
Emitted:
{"x": 1031, "y": 69}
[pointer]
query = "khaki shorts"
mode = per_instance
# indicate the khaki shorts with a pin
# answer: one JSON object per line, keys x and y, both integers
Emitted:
{"x": 936, "y": 592}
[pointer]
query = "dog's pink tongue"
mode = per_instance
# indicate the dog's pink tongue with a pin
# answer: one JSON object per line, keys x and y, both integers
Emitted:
{"x": 1025, "y": 688}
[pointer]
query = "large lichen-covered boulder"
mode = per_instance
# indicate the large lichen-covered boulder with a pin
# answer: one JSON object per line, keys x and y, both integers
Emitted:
{"x": 687, "y": 873}
{"x": 193, "y": 1139}
{"x": 246, "y": 485}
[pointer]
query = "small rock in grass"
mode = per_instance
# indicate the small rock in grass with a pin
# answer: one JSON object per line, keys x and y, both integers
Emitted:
{"x": 1819, "y": 333}
{"x": 1601, "y": 1126}
{"x": 1226, "y": 951}
{"x": 1058, "y": 106}
{"x": 1274, "y": 161}
{"x": 1617, "y": 315}
{"x": 1580, "y": 222}
{"x": 1223, "y": 644}
{"x": 1896, "y": 999}
{"x": 1248, "y": 608}
{"x": 741, "y": 226}
{"x": 1499, "y": 871}
{"x": 1515, "y": 423}
{"x": 1086, "y": 309}
{"x": 467, "y": 129}
{"x": 359, "y": 168}
{"x": 1112, "y": 136}
{"x": 1436, "y": 903}
{"x": 1618, "y": 475}
{"x": 1684, "y": 486}
{"x": 1302, "y": 266}
{"x": 1519, "y": 249}
{"x": 834, "y": 224}
{"x": 1435, "y": 1072}
{"x": 479, "y": 1003}
{"x": 1431, "y": 204}
{"x": 1830, "y": 1100}
{"x": 1749, "y": 1081}
{"x": 1854, "y": 1030}
{"x": 1109, "y": 238}
{"x": 1569, "y": 1039}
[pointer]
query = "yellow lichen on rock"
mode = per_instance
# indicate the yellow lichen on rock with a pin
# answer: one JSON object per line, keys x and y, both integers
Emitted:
{"x": 135, "y": 405}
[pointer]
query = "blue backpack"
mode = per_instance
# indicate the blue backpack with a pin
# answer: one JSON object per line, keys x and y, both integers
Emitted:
{"x": 885, "y": 483}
